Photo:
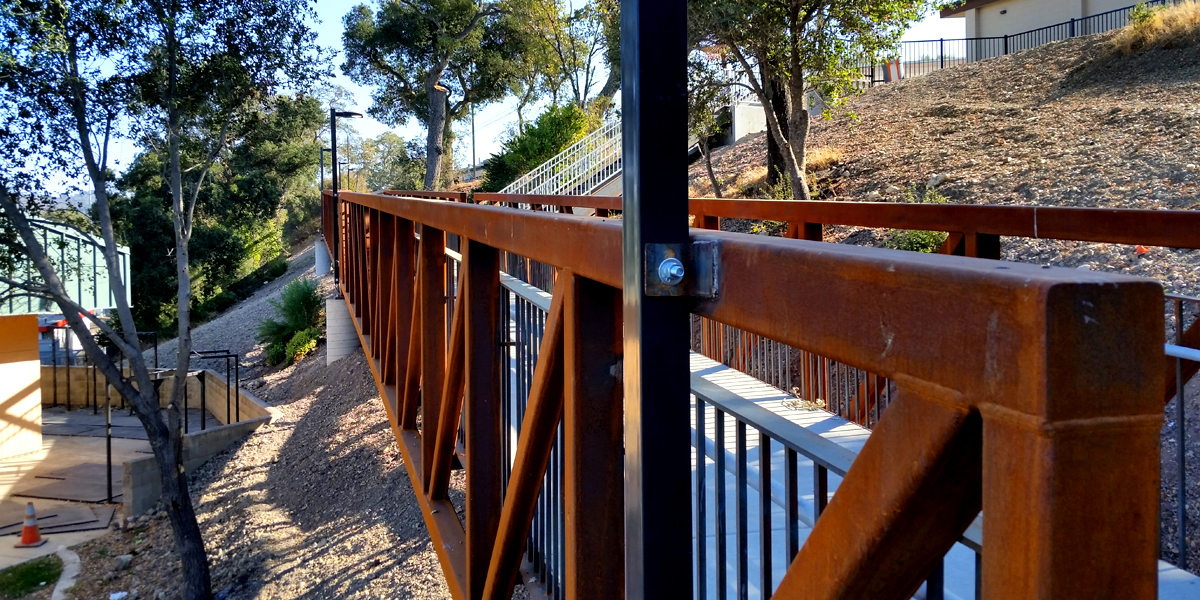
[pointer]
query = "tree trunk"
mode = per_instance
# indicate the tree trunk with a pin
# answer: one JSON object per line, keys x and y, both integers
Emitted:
{"x": 435, "y": 130}
{"x": 704, "y": 148}
{"x": 797, "y": 130}
{"x": 169, "y": 447}
{"x": 776, "y": 165}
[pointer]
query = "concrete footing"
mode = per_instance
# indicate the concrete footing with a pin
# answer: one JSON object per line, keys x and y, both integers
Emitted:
{"x": 322, "y": 258}
{"x": 340, "y": 337}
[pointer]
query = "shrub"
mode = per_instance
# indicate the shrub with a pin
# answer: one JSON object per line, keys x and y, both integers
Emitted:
{"x": 298, "y": 308}
{"x": 916, "y": 241}
{"x": 277, "y": 267}
{"x": 275, "y": 354}
{"x": 551, "y": 133}
{"x": 823, "y": 157}
{"x": 1172, "y": 26}
{"x": 302, "y": 343}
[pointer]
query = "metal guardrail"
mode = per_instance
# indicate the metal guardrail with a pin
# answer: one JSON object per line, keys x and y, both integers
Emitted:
{"x": 581, "y": 168}
{"x": 1007, "y": 353}
{"x": 921, "y": 57}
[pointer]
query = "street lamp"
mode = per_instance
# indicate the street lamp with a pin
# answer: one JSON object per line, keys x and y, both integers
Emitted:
{"x": 321, "y": 159}
{"x": 333, "y": 117}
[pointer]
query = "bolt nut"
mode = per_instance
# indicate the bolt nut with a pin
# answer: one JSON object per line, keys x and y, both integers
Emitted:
{"x": 671, "y": 271}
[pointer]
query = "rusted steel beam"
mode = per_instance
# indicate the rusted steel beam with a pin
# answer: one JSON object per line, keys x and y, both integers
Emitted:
{"x": 450, "y": 414}
{"x": 404, "y": 286}
{"x": 484, "y": 448}
{"x": 597, "y": 202}
{"x": 385, "y": 298}
{"x": 409, "y": 391}
{"x": 1171, "y": 228}
{"x": 594, "y": 250}
{"x": 905, "y": 502}
{"x": 445, "y": 531}
{"x": 432, "y": 256}
{"x": 593, "y": 451}
{"x": 432, "y": 195}
{"x": 538, "y": 429}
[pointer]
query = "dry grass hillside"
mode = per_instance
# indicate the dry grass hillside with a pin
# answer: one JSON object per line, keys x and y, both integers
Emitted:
{"x": 1073, "y": 123}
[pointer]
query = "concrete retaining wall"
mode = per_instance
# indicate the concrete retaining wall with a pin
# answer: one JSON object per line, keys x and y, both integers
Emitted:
{"x": 141, "y": 483}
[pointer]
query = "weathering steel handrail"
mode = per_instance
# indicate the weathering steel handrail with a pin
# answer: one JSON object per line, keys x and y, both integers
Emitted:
{"x": 1019, "y": 364}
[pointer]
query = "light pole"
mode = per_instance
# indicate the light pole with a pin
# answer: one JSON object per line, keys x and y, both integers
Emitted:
{"x": 333, "y": 117}
{"x": 321, "y": 184}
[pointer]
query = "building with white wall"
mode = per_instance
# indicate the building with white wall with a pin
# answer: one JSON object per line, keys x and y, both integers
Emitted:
{"x": 996, "y": 27}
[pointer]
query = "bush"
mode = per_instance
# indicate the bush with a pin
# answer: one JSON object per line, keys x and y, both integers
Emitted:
{"x": 919, "y": 241}
{"x": 916, "y": 241}
{"x": 302, "y": 343}
{"x": 1174, "y": 26}
{"x": 551, "y": 133}
{"x": 277, "y": 267}
{"x": 275, "y": 354}
{"x": 298, "y": 308}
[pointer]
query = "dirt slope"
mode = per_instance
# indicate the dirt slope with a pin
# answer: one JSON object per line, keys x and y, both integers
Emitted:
{"x": 1058, "y": 125}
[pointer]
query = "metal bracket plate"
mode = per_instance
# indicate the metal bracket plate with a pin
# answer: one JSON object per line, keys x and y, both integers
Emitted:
{"x": 701, "y": 260}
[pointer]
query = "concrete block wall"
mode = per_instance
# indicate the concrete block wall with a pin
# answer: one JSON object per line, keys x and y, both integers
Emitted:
{"x": 20, "y": 386}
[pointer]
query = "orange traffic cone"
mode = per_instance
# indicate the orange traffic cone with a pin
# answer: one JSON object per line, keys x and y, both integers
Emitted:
{"x": 30, "y": 536}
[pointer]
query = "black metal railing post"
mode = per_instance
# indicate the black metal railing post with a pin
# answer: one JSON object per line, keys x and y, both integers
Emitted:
{"x": 656, "y": 331}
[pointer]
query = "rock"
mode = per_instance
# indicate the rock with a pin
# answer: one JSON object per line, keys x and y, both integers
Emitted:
{"x": 936, "y": 180}
{"x": 873, "y": 194}
{"x": 162, "y": 514}
{"x": 133, "y": 595}
{"x": 1083, "y": 268}
{"x": 122, "y": 562}
{"x": 118, "y": 596}
{"x": 1191, "y": 166}
{"x": 891, "y": 189}
{"x": 160, "y": 595}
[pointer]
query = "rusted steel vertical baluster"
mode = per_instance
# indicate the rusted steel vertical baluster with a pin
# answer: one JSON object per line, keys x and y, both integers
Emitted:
{"x": 485, "y": 451}
{"x": 433, "y": 339}
{"x": 593, "y": 476}
{"x": 406, "y": 332}
{"x": 385, "y": 245}
{"x": 450, "y": 410}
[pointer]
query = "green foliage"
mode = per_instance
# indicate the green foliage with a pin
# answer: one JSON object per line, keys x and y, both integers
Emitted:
{"x": 302, "y": 343}
{"x": 259, "y": 190}
{"x": 915, "y": 240}
{"x": 275, "y": 354}
{"x": 771, "y": 228}
{"x": 553, "y": 131}
{"x": 781, "y": 190}
{"x": 26, "y": 578}
{"x": 298, "y": 309}
{"x": 1142, "y": 14}
{"x": 432, "y": 59}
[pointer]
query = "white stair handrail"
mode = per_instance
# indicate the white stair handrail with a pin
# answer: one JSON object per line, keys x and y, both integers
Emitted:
{"x": 580, "y": 169}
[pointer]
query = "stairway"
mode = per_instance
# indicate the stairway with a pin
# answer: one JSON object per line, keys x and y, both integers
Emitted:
{"x": 586, "y": 168}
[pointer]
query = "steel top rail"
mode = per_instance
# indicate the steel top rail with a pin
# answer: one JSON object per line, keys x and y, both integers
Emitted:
{"x": 868, "y": 307}
{"x": 1172, "y": 228}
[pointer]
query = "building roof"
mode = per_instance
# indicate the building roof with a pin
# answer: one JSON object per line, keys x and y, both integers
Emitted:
{"x": 964, "y": 7}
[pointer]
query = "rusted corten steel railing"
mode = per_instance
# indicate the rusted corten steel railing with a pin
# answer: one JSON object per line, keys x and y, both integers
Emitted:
{"x": 1032, "y": 394}
{"x": 974, "y": 230}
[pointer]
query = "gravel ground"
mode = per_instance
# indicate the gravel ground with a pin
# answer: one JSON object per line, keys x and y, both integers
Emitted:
{"x": 316, "y": 505}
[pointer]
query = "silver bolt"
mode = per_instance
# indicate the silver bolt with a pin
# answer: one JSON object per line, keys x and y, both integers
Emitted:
{"x": 671, "y": 271}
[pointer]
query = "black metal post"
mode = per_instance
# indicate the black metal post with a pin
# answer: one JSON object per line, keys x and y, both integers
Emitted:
{"x": 54, "y": 361}
{"x": 228, "y": 407}
{"x": 658, "y": 519}
{"x": 237, "y": 380}
{"x": 1180, "y": 448}
{"x": 67, "y": 360}
{"x": 942, "y": 52}
{"x": 336, "y": 212}
{"x": 108, "y": 437}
